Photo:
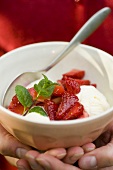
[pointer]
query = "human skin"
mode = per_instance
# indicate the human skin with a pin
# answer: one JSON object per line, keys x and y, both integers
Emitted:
{"x": 102, "y": 157}
{"x": 21, "y": 155}
{"x": 89, "y": 157}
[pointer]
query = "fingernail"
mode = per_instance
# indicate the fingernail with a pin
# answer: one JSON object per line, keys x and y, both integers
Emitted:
{"x": 90, "y": 149}
{"x": 44, "y": 163}
{"x": 75, "y": 156}
{"x": 57, "y": 154}
{"x": 61, "y": 155}
{"x": 21, "y": 168}
{"x": 20, "y": 152}
{"x": 89, "y": 162}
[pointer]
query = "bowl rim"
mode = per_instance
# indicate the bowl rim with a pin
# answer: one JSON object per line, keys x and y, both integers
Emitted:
{"x": 62, "y": 122}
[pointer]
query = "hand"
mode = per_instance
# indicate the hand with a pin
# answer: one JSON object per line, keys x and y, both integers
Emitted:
{"x": 16, "y": 152}
{"x": 10, "y": 147}
{"x": 22, "y": 155}
{"x": 102, "y": 157}
{"x": 47, "y": 161}
{"x": 55, "y": 159}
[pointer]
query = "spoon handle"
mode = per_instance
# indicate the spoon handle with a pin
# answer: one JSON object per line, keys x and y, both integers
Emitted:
{"x": 87, "y": 29}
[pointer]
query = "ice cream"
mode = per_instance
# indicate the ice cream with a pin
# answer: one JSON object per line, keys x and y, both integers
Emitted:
{"x": 36, "y": 117}
{"x": 93, "y": 100}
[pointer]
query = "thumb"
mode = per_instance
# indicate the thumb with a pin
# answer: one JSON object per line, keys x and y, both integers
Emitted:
{"x": 10, "y": 146}
{"x": 98, "y": 158}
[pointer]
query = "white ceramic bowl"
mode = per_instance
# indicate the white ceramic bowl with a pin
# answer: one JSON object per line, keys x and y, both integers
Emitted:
{"x": 99, "y": 69}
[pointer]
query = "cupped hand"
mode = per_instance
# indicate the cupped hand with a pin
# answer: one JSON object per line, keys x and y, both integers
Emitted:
{"x": 46, "y": 161}
{"x": 10, "y": 147}
{"x": 102, "y": 157}
{"x": 16, "y": 152}
{"x": 56, "y": 159}
{"x": 22, "y": 155}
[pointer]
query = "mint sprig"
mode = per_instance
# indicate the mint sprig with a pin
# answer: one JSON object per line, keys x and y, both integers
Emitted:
{"x": 45, "y": 87}
{"x": 23, "y": 96}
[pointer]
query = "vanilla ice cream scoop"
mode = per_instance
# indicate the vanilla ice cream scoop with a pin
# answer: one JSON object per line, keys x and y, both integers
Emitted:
{"x": 94, "y": 101}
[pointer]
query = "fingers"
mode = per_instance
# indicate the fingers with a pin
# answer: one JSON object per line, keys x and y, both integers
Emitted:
{"x": 50, "y": 158}
{"x": 10, "y": 146}
{"x": 51, "y": 163}
{"x": 75, "y": 153}
{"x": 22, "y": 164}
{"x": 31, "y": 156}
{"x": 59, "y": 153}
{"x": 98, "y": 158}
{"x": 88, "y": 147}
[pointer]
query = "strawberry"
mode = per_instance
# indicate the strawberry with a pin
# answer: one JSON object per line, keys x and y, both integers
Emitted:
{"x": 83, "y": 82}
{"x": 95, "y": 85}
{"x": 68, "y": 101}
{"x": 33, "y": 93}
{"x": 71, "y": 85}
{"x": 15, "y": 100}
{"x": 16, "y": 106}
{"x": 62, "y": 82}
{"x": 74, "y": 73}
{"x": 57, "y": 100}
{"x": 51, "y": 109}
{"x": 58, "y": 90}
{"x": 75, "y": 112}
{"x": 85, "y": 114}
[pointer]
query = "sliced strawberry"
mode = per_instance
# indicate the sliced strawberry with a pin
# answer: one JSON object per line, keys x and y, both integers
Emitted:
{"x": 58, "y": 90}
{"x": 83, "y": 82}
{"x": 68, "y": 101}
{"x": 74, "y": 73}
{"x": 32, "y": 92}
{"x": 75, "y": 112}
{"x": 16, "y": 106}
{"x": 71, "y": 85}
{"x": 57, "y": 100}
{"x": 51, "y": 109}
{"x": 62, "y": 83}
{"x": 85, "y": 114}
{"x": 15, "y": 100}
{"x": 95, "y": 85}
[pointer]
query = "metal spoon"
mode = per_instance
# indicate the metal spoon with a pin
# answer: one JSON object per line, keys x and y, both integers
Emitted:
{"x": 88, "y": 28}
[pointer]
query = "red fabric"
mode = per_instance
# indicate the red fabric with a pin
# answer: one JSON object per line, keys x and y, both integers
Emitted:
{"x": 4, "y": 165}
{"x": 23, "y": 22}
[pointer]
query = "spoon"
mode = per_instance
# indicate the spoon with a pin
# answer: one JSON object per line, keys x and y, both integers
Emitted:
{"x": 87, "y": 29}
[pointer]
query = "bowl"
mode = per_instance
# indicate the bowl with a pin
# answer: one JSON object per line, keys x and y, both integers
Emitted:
{"x": 45, "y": 135}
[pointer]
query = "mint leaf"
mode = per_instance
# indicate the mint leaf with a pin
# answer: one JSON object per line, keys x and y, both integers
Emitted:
{"x": 39, "y": 110}
{"x": 45, "y": 87}
{"x": 23, "y": 96}
{"x": 38, "y": 87}
{"x": 46, "y": 92}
